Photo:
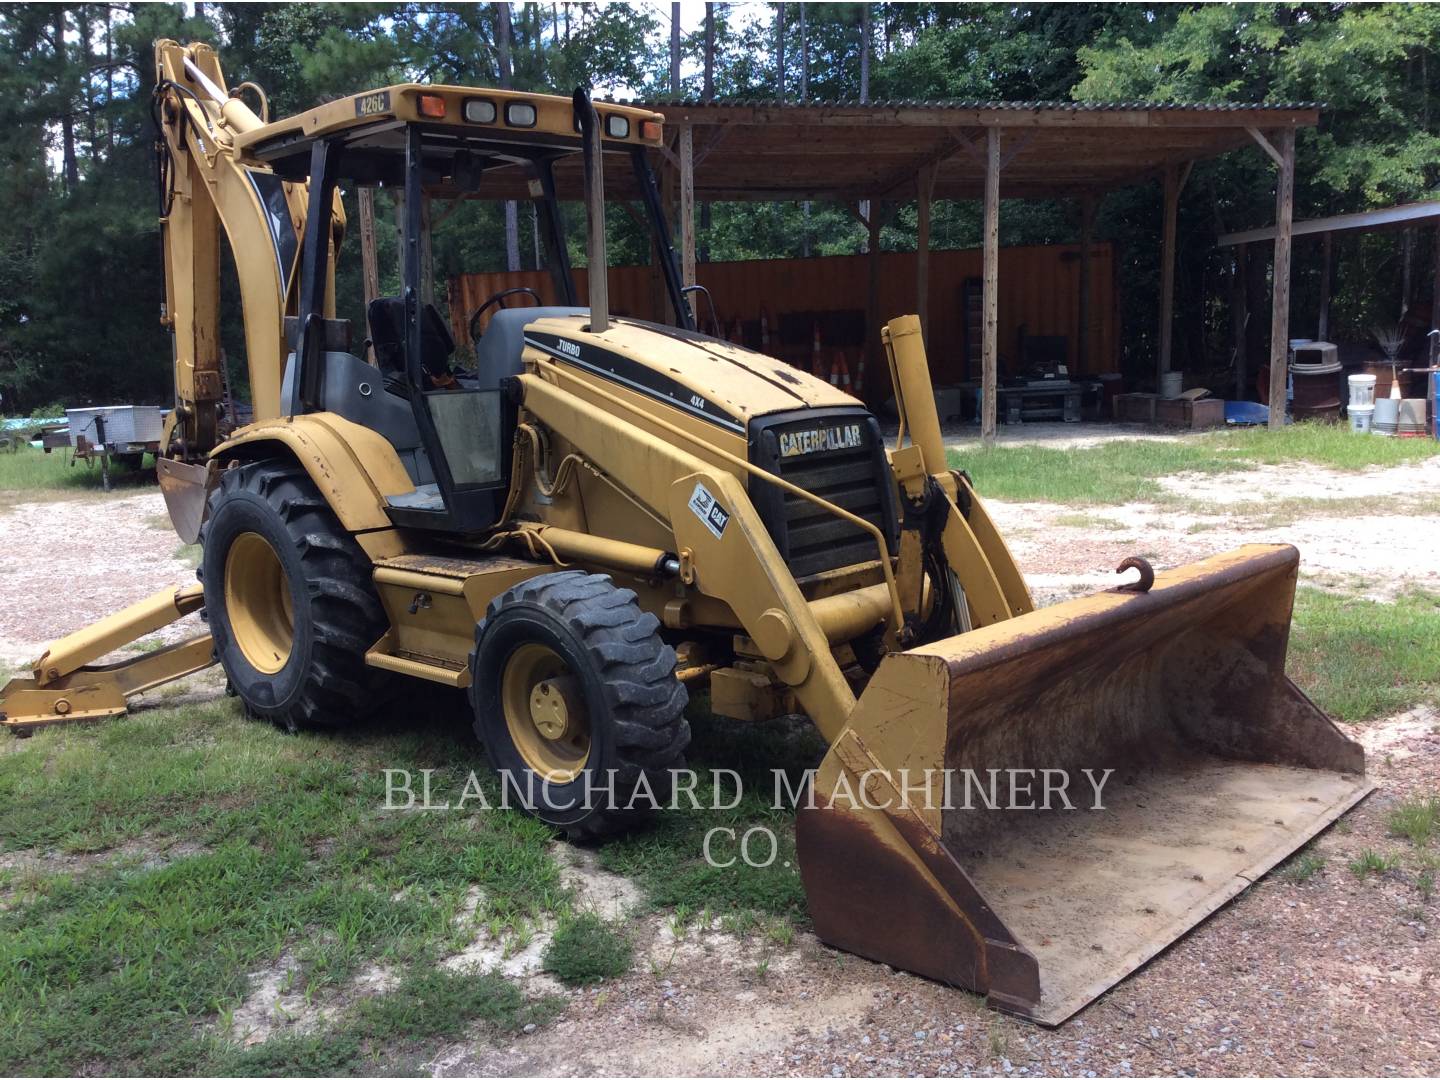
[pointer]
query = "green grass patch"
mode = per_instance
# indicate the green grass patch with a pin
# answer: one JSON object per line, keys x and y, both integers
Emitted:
{"x": 586, "y": 949}
{"x": 1370, "y": 862}
{"x": 1360, "y": 659}
{"x": 436, "y": 1003}
{"x": 1417, "y": 820}
{"x": 26, "y": 469}
{"x": 1303, "y": 867}
{"x": 668, "y": 860}
{"x": 131, "y": 950}
{"x": 1126, "y": 470}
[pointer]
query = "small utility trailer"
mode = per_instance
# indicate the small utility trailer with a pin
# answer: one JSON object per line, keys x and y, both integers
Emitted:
{"x": 111, "y": 432}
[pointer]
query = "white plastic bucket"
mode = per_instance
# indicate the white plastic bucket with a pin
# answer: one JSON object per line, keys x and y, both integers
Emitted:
{"x": 1171, "y": 383}
{"x": 1362, "y": 391}
{"x": 1360, "y": 417}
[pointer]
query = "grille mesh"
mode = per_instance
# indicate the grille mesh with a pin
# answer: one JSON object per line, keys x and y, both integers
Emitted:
{"x": 815, "y": 539}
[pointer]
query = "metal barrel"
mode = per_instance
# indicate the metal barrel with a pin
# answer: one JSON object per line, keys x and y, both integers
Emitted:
{"x": 1168, "y": 759}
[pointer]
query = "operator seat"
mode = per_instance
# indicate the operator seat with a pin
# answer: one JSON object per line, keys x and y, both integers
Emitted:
{"x": 497, "y": 354}
{"x": 386, "y": 316}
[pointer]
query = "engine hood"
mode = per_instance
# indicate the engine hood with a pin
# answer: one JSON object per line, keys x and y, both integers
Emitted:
{"x": 728, "y": 385}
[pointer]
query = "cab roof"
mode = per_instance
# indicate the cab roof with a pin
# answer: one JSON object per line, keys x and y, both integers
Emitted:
{"x": 460, "y": 115}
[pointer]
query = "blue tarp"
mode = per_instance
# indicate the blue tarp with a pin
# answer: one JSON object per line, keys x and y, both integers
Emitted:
{"x": 1246, "y": 412}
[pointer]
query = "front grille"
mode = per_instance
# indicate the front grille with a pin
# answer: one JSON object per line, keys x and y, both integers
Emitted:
{"x": 853, "y": 477}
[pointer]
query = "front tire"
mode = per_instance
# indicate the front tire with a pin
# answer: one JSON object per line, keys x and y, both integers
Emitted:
{"x": 289, "y": 599}
{"x": 575, "y": 695}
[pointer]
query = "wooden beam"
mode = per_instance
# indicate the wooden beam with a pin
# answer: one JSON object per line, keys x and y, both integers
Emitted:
{"x": 989, "y": 355}
{"x": 1087, "y": 240}
{"x": 969, "y": 142}
{"x": 1280, "y": 305}
{"x": 687, "y": 205}
{"x": 854, "y": 210}
{"x": 1167, "y": 272}
{"x": 1267, "y": 146}
{"x": 890, "y": 117}
{"x": 714, "y": 141}
{"x": 1016, "y": 145}
{"x": 1323, "y": 329}
{"x": 925, "y": 183}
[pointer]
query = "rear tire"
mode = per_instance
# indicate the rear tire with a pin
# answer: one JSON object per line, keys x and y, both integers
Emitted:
{"x": 289, "y": 599}
{"x": 571, "y": 684}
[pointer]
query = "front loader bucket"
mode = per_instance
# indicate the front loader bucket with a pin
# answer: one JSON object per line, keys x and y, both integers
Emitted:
{"x": 1222, "y": 768}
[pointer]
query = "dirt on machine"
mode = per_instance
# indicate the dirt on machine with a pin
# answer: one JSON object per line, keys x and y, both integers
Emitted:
{"x": 579, "y": 519}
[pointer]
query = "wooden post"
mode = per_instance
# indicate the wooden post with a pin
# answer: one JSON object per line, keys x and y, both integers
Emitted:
{"x": 1167, "y": 271}
{"x": 925, "y": 183}
{"x": 369, "y": 268}
{"x": 687, "y": 204}
{"x": 1240, "y": 319}
{"x": 1280, "y": 306}
{"x": 1434, "y": 325}
{"x": 1087, "y": 240}
{"x": 990, "y": 301}
{"x": 427, "y": 255}
{"x": 1435, "y": 299}
{"x": 1407, "y": 257}
{"x": 873, "y": 359}
{"x": 669, "y": 200}
{"x": 1323, "y": 329}
{"x": 398, "y": 194}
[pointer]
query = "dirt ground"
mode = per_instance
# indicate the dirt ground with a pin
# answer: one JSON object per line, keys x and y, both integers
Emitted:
{"x": 1334, "y": 975}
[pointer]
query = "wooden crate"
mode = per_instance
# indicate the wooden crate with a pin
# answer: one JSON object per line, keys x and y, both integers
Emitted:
{"x": 1171, "y": 412}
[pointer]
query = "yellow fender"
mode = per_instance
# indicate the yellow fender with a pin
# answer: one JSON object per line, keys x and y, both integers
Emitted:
{"x": 354, "y": 468}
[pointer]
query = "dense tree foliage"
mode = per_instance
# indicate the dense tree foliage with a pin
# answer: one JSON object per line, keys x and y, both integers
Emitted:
{"x": 80, "y": 280}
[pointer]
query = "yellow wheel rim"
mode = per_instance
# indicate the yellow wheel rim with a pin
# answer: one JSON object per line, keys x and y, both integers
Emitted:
{"x": 545, "y": 713}
{"x": 257, "y": 602}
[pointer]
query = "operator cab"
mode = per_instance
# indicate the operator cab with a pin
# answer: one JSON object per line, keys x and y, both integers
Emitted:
{"x": 452, "y": 425}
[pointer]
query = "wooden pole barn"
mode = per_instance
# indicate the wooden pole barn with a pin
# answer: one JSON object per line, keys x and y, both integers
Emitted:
{"x": 871, "y": 158}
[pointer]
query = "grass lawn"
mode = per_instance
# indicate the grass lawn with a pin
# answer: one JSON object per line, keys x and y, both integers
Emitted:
{"x": 26, "y": 469}
{"x": 155, "y": 868}
{"x": 1361, "y": 659}
{"x": 158, "y": 861}
{"x": 1126, "y": 470}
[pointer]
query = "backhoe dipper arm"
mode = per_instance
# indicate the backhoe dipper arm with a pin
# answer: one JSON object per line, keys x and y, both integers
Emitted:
{"x": 204, "y": 187}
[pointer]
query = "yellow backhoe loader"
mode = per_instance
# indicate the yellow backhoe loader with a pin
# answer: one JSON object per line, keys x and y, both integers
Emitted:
{"x": 598, "y": 495}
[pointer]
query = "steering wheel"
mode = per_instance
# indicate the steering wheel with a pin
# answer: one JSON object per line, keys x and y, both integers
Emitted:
{"x": 498, "y": 298}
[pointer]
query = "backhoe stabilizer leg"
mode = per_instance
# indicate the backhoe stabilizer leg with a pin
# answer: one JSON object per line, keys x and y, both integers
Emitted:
{"x": 66, "y": 686}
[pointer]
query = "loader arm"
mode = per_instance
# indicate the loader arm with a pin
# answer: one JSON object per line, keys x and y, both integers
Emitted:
{"x": 739, "y": 566}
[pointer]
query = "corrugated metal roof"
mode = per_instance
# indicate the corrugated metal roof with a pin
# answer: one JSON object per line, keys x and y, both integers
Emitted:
{"x": 1018, "y": 106}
